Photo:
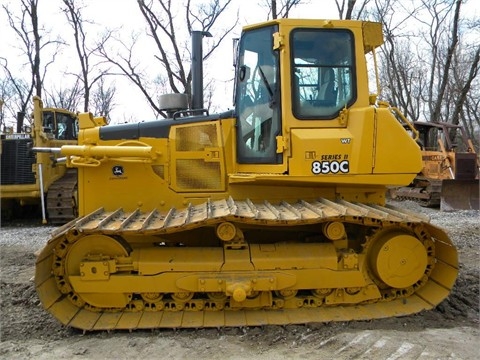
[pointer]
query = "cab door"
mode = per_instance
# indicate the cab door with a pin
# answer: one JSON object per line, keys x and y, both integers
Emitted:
{"x": 257, "y": 100}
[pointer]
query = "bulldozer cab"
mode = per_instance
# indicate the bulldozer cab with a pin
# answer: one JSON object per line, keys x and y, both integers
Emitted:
{"x": 316, "y": 70}
{"x": 453, "y": 137}
{"x": 296, "y": 81}
{"x": 319, "y": 74}
{"x": 63, "y": 125}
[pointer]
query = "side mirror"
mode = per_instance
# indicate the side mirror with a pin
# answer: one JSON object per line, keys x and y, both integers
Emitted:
{"x": 235, "y": 42}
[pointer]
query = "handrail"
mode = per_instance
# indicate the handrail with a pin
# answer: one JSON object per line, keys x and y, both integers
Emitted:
{"x": 102, "y": 151}
{"x": 402, "y": 117}
{"x": 93, "y": 155}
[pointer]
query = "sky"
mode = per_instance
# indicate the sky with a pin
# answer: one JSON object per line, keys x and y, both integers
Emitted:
{"x": 125, "y": 15}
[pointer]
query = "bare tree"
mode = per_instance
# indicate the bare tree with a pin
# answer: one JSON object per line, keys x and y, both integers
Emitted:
{"x": 280, "y": 8}
{"x": 16, "y": 91}
{"x": 465, "y": 88}
{"x": 90, "y": 72}
{"x": 425, "y": 49}
{"x": 429, "y": 63}
{"x": 124, "y": 61}
{"x": 471, "y": 114}
{"x": 402, "y": 84}
{"x": 167, "y": 29}
{"x": 65, "y": 98}
{"x": 103, "y": 98}
{"x": 7, "y": 93}
{"x": 440, "y": 69}
{"x": 347, "y": 10}
{"x": 32, "y": 42}
{"x": 1, "y": 112}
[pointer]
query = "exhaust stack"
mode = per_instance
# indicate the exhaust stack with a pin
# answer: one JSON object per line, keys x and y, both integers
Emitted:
{"x": 197, "y": 68}
{"x": 20, "y": 120}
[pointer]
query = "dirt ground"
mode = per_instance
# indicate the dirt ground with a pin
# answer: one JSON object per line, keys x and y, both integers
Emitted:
{"x": 451, "y": 331}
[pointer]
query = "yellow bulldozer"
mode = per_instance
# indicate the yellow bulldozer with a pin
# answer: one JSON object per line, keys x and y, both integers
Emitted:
{"x": 36, "y": 180}
{"x": 449, "y": 176}
{"x": 271, "y": 213}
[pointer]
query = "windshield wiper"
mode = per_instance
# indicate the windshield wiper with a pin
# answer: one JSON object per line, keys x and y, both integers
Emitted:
{"x": 265, "y": 81}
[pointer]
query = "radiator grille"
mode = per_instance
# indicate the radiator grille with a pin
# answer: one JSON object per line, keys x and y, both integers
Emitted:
{"x": 465, "y": 166}
{"x": 17, "y": 161}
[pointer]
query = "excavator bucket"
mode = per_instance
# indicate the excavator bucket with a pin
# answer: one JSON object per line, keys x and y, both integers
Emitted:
{"x": 459, "y": 195}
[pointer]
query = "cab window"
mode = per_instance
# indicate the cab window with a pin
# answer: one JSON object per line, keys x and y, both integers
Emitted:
{"x": 66, "y": 127}
{"x": 63, "y": 126}
{"x": 323, "y": 72}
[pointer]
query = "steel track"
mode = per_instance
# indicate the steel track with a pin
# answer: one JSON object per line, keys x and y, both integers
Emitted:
{"x": 50, "y": 280}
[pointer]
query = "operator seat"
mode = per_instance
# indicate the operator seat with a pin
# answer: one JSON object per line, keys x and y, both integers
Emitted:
{"x": 327, "y": 90}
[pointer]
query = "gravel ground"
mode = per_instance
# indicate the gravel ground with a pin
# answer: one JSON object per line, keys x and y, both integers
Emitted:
{"x": 451, "y": 331}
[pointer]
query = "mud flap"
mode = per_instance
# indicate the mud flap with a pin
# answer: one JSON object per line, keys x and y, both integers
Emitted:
{"x": 459, "y": 195}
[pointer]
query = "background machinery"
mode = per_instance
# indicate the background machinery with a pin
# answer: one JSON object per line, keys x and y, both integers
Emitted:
{"x": 272, "y": 213}
{"x": 449, "y": 176}
{"x": 31, "y": 179}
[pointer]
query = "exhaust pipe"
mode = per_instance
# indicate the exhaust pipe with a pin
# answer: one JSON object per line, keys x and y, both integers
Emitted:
{"x": 197, "y": 68}
{"x": 20, "y": 120}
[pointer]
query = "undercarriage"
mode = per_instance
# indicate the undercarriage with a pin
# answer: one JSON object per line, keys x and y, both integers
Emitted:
{"x": 236, "y": 263}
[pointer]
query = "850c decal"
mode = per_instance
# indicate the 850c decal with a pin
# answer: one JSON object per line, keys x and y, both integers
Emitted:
{"x": 334, "y": 167}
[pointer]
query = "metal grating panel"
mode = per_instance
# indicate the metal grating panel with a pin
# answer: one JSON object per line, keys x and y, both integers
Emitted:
{"x": 465, "y": 166}
{"x": 194, "y": 138}
{"x": 197, "y": 174}
{"x": 17, "y": 161}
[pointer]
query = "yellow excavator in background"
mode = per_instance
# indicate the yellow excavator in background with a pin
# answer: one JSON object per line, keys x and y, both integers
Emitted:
{"x": 39, "y": 179}
{"x": 271, "y": 213}
{"x": 449, "y": 176}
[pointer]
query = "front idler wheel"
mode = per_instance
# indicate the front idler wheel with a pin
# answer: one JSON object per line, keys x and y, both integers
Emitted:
{"x": 397, "y": 258}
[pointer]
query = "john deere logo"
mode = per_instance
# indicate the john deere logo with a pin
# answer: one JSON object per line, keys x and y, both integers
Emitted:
{"x": 117, "y": 170}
